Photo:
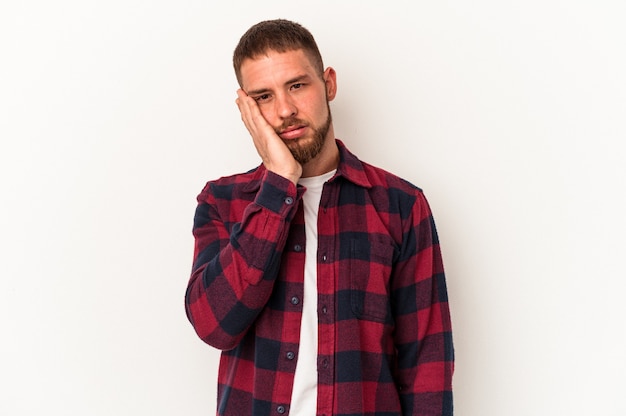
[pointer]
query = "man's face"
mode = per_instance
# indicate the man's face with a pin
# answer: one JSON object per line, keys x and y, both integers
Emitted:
{"x": 293, "y": 98}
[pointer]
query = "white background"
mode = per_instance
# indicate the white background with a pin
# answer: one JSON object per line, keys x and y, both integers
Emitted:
{"x": 113, "y": 115}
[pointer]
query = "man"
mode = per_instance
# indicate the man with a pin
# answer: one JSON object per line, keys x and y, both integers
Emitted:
{"x": 318, "y": 275}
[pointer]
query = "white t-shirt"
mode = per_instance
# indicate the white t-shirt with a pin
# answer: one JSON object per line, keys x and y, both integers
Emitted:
{"x": 304, "y": 395}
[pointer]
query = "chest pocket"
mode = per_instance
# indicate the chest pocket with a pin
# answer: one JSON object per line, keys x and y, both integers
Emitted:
{"x": 370, "y": 271}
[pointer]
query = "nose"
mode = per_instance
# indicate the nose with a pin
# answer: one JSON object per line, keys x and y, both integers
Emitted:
{"x": 285, "y": 106}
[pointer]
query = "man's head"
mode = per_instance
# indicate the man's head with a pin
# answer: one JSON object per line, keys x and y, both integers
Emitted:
{"x": 279, "y": 66}
{"x": 279, "y": 36}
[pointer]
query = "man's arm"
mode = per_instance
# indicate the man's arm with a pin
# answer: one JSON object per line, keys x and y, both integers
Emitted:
{"x": 423, "y": 335}
{"x": 235, "y": 267}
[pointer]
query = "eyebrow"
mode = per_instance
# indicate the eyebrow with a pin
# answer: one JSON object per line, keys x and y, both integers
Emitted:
{"x": 299, "y": 78}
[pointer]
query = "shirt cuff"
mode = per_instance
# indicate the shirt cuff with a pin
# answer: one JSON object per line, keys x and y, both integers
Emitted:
{"x": 277, "y": 193}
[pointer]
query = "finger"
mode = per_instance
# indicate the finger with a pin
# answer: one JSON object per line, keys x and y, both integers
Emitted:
{"x": 245, "y": 105}
{"x": 252, "y": 117}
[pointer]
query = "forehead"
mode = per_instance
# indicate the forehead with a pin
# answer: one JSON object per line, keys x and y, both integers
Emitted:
{"x": 275, "y": 68}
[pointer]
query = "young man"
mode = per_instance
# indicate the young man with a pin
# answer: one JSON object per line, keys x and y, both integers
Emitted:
{"x": 318, "y": 275}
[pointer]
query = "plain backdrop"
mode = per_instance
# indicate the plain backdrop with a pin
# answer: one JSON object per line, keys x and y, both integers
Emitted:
{"x": 508, "y": 114}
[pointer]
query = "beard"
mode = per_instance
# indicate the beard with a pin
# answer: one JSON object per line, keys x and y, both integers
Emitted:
{"x": 307, "y": 148}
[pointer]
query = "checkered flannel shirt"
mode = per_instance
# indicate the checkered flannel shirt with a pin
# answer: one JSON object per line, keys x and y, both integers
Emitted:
{"x": 385, "y": 341}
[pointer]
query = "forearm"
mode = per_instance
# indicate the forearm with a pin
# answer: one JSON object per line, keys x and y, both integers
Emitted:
{"x": 235, "y": 265}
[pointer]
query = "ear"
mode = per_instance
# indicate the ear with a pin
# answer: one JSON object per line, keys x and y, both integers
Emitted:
{"x": 330, "y": 81}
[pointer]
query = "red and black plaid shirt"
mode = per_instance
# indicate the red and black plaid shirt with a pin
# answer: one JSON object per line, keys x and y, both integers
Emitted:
{"x": 385, "y": 340}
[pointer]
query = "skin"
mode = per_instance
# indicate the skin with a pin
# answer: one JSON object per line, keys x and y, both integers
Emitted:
{"x": 283, "y": 101}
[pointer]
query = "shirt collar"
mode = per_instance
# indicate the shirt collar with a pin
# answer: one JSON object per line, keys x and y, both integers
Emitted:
{"x": 350, "y": 168}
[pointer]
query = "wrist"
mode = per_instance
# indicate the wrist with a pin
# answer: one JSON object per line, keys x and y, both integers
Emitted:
{"x": 293, "y": 173}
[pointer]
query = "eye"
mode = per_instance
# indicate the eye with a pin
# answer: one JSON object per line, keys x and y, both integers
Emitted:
{"x": 297, "y": 86}
{"x": 261, "y": 98}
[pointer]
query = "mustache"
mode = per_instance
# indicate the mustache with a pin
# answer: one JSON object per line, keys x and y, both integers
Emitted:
{"x": 289, "y": 122}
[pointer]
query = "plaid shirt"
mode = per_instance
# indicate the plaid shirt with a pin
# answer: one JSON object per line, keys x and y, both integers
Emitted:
{"x": 385, "y": 340}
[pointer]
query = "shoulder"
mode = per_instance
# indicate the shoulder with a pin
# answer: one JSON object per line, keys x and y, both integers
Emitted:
{"x": 367, "y": 175}
{"x": 379, "y": 177}
{"x": 395, "y": 195}
{"x": 387, "y": 191}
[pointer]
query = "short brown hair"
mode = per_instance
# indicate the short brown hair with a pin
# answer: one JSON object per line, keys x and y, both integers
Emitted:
{"x": 278, "y": 35}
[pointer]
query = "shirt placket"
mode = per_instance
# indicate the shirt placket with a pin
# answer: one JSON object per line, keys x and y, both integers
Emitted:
{"x": 327, "y": 233}
{"x": 290, "y": 329}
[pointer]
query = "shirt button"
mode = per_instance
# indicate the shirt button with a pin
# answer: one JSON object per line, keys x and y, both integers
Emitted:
{"x": 297, "y": 248}
{"x": 280, "y": 409}
{"x": 295, "y": 300}
{"x": 325, "y": 363}
{"x": 324, "y": 310}
{"x": 324, "y": 257}
{"x": 289, "y": 200}
{"x": 290, "y": 355}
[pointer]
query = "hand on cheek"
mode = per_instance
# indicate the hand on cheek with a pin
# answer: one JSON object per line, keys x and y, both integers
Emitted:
{"x": 274, "y": 153}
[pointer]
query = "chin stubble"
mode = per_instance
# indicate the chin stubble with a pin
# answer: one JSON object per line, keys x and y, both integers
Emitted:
{"x": 305, "y": 153}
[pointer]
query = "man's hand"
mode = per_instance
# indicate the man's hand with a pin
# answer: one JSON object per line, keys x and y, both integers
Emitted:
{"x": 275, "y": 154}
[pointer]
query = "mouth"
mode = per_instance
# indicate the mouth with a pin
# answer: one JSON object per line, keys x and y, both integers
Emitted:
{"x": 292, "y": 132}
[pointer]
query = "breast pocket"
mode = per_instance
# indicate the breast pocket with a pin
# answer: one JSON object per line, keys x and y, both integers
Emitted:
{"x": 370, "y": 271}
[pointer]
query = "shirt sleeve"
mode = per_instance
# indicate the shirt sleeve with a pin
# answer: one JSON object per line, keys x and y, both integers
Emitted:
{"x": 235, "y": 265}
{"x": 423, "y": 335}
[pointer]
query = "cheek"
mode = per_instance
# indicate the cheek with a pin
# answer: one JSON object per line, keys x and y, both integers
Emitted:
{"x": 268, "y": 114}
{"x": 323, "y": 109}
